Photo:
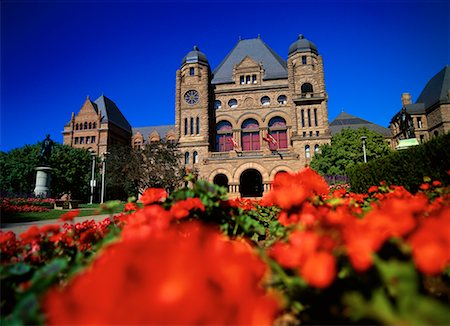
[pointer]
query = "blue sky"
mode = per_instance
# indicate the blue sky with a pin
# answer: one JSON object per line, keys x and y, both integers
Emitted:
{"x": 55, "y": 53}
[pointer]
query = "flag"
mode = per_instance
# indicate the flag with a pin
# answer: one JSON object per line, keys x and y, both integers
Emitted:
{"x": 270, "y": 139}
{"x": 234, "y": 142}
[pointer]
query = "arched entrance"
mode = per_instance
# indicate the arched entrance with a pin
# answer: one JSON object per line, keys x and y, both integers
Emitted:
{"x": 251, "y": 183}
{"x": 221, "y": 180}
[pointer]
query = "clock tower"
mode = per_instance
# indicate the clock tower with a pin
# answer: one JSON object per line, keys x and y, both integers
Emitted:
{"x": 192, "y": 108}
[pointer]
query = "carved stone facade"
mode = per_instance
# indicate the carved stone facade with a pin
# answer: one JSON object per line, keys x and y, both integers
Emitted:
{"x": 429, "y": 116}
{"x": 256, "y": 115}
{"x": 98, "y": 125}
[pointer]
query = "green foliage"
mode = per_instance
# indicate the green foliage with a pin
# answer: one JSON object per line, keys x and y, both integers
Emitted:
{"x": 345, "y": 151}
{"x": 406, "y": 168}
{"x": 255, "y": 222}
{"x": 70, "y": 174}
{"x": 132, "y": 170}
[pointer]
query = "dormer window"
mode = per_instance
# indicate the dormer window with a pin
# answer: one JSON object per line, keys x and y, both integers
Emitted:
{"x": 247, "y": 79}
{"x": 242, "y": 80}
{"x": 282, "y": 99}
{"x": 265, "y": 100}
{"x": 232, "y": 103}
{"x": 191, "y": 71}
{"x": 254, "y": 79}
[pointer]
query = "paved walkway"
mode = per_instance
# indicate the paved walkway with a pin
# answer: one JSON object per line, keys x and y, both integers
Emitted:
{"x": 18, "y": 228}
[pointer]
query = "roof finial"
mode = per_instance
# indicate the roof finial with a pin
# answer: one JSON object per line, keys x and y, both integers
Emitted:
{"x": 301, "y": 37}
{"x": 196, "y": 48}
{"x": 240, "y": 38}
{"x": 259, "y": 35}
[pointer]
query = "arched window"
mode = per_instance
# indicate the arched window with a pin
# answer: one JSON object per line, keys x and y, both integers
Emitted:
{"x": 282, "y": 99}
{"x": 76, "y": 126}
{"x": 185, "y": 126}
{"x": 192, "y": 126}
{"x": 250, "y": 135}
{"x": 307, "y": 88}
{"x": 265, "y": 100}
{"x": 90, "y": 125}
{"x": 309, "y": 117}
{"x": 186, "y": 158}
{"x": 195, "y": 157}
{"x": 94, "y": 125}
{"x": 197, "y": 126}
{"x": 278, "y": 130}
{"x": 85, "y": 125}
{"x": 307, "y": 151}
{"x": 315, "y": 118}
{"x": 224, "y": 135}
{"x": 316, "y": 148}
{"x": 303, "y": 118}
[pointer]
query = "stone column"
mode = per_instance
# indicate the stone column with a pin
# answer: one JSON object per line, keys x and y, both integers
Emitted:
{"x": 43, "y": 179}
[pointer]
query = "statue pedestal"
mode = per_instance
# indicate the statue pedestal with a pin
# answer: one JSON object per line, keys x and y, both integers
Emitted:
{"x": 43, "y": 178}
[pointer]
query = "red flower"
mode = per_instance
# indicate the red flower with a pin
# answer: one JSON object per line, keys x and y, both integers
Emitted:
{"x": 130, "y": 207}
{"x": 182, "y": 208}
{"x": 187, "y": 275}
{"x": 291, "y": 190}
{"x": 319, "y": 270}
{"x": 153, "y": 195}
{"x": 69, "y": 216}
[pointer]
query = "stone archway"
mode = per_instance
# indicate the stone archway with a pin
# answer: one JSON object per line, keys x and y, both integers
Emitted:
{"x": 251, "y": 183}
{"x": 221, "y": 180}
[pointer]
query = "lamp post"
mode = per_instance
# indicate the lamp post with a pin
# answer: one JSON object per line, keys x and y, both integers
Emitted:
{"x": 92, "y": 177}
{"x": 363, "y": 138}
{"x": 103, "y": 177}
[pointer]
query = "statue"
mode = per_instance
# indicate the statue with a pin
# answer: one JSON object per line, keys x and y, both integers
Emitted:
{"x": 46, "y": 150}
{"x": 406, "y": 124}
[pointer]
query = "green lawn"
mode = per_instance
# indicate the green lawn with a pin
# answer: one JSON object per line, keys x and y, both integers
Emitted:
{"x": 85, "y": 210}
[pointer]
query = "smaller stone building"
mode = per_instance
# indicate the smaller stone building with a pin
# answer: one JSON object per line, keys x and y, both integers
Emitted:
{"x": 145, "y": 135}
{"x": 429, "y": 116}
{"x": 98, "y": 125}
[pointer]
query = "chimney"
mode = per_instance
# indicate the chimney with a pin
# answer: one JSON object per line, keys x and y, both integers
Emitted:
{"x": 406, "y": 99}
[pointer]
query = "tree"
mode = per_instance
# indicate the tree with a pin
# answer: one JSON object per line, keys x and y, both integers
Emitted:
{"x": 133, "y": 170}
{"x": 346, "y": 151}
{"x": 70, "y": 171}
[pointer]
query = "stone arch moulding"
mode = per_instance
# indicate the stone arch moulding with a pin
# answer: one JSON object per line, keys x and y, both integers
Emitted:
{"x": 278, "y": 113}
{"x": 313, "y": 82}
{"x": 250, "y": 165}
{"x": 228, "y": 118}
{"x": 279, "y": 168}
{"x": 220, "y": 171}
{"x": 249, "y": 115}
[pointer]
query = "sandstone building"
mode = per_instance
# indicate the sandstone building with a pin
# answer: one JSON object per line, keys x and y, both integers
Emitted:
{"x": 253, "y": 116}
{"x": 98, "y": 125}
{"x": 429, "y": 116}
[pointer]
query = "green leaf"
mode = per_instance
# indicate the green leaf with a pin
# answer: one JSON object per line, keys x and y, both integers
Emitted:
{"x": 48, "y": 274}
{"x": 19, "y": 268}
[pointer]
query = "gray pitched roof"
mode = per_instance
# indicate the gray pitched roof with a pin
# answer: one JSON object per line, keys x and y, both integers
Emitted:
{"x": 111, "y": 113}
{"x": 436, "y": 89}
{"x": 161, "y": 130}
{"x": 275, "y": 66}
{"x": 345, "y": 120}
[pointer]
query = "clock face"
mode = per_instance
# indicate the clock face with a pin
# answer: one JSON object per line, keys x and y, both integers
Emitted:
{"x": 191, "y": 97}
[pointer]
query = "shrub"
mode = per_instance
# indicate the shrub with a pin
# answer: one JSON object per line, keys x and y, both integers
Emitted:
{"x": 405, "y": 168}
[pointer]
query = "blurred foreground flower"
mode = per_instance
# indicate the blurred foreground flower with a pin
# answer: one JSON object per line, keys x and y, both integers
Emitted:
{"x": 187, "y": 275}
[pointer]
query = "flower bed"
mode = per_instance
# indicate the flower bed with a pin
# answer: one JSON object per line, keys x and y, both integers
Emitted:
{"x": 25, "y": 205}
{"x": 299, "y": 255}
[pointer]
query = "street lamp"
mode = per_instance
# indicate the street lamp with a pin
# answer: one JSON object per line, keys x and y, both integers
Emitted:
{"x": 103, "y": 176}
{"x": 92, "y": 177}
{"x": 363, "y": 138}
